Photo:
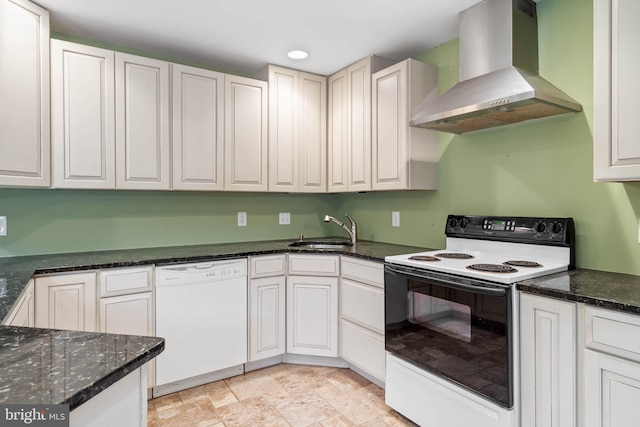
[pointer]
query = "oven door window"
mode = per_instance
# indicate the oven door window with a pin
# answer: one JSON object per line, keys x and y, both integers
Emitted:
{"x": 456, "y": 334}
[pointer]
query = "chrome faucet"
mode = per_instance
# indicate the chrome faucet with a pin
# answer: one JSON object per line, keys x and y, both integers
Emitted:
{"x": 352, "y": 231}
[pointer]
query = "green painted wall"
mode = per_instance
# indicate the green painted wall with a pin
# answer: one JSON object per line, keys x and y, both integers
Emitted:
{"x": 541, "y": 168}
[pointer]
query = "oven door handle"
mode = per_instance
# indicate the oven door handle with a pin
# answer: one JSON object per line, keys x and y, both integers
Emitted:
{"x": 479, "y": 289}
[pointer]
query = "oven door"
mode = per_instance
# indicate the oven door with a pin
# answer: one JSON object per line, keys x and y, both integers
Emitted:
{"x": 453, "y": 327}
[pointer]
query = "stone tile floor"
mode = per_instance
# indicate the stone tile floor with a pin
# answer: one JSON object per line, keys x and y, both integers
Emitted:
{"x": 281, "y": 395}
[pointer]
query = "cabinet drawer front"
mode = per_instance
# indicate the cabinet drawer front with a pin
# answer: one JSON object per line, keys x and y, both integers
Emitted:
{"x": 363, "y": 271}
{"x": 363, "y": 304}
{"x": 316, "y": 265}
{"x": 612, "y": 332}
{"x": 267, "y": 266}
{"x": 363, "y": 349}
{"x": 122, "y": 281}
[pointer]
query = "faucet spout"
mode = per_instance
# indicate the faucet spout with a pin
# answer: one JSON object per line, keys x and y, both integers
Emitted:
{"x": 353, "y": 230}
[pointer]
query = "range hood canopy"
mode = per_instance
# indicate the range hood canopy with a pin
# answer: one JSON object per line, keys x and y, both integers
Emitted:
{"x": 499, "y": 81}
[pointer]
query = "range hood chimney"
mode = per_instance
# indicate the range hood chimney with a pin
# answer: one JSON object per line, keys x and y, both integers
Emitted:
{"x": 499, "y": 81}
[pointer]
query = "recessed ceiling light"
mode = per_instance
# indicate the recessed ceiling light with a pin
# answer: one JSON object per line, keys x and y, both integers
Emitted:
{"x": 297, "y": 54}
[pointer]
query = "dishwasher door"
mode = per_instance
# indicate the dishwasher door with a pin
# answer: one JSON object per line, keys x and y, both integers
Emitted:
{"x": 201, "y": 312}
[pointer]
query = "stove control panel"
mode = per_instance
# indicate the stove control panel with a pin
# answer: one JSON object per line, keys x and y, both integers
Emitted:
{"x": 553, "y": 231}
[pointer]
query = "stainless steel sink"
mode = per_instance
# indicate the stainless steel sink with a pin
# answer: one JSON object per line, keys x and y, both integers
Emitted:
{"x": 338, "y": 246}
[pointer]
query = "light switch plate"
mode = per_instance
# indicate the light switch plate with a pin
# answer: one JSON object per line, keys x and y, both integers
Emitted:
{"x": 3, "y": 225}
{"x": 395, "y": 219}
{"x": 242, "y": 219}
{"x": 284, "y": 218}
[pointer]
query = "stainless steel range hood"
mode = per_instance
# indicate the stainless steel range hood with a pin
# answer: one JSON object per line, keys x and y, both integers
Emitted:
{"x": 499, "y": 81}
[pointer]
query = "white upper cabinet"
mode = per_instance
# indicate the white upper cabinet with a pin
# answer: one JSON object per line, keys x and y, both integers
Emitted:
{"x": 198, "y": 128}
{"x": 350, "y": 117}
{"x": 403, "y": 157}
{"x": 24, "y": 95}
{"x": 297, "y": 130}
{"x": 142, "y": 123}
{"x": 82, "y": 111}
{"x": 616, "y": 128}
{"x": 245, "y": 134}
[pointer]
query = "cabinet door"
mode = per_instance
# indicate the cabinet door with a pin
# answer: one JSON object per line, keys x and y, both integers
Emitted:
{"x": 22, "y": 312}
{"x": 359, "y": 125}
{"x": 66, "y": 301}
{"x": 82, "y": 111}
{"x": 312, "y": 133}
{"x": 283, "y": 129}
{"x": 245, "y": 134}
{"x": 142, "y": 123}
{"x": 337, "y": 163}
{"x": 616, "y": 42}
{"x": 548, "y": 362}
{"x": 198, "y": 129}
{"x": 24, "y": 101}
{"x": 127, "y": 314}
{"x": 312, "y": 315}
{"x": 611, "y": 391}
{"x": 266, "y": 317}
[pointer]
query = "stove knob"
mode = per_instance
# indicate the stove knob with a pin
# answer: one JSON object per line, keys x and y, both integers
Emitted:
{"x": 453, "y": 223}
{"x": 464, "y": 222}
{"x": 541, "y": 227}
{"x": 556, "y": 228}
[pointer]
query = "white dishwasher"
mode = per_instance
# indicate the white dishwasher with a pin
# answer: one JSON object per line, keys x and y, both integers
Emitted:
{"x": 201, "y": 312}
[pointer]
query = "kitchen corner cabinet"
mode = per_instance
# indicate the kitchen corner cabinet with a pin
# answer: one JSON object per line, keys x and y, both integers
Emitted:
{"x": 547, "y": 362}
{"x": 66, "y": 301}
{"x": 25, "y": 155}
{"x": 616, "y": 129}
{"x": 198, "y": 129}
{"x": 83, "y": 120}
{"x": 267, "y": 299}
{"x": 403, "y": 157}
{"x": 245, "y": 134}
{"x": 611, "y": 374}
{"x": 349, "y": 124}
{"x": 142, "y": 123}
{"x": 22, "y": 313}
{"x": 362, "y": 315}
{"x": 312, "y": 305}
{"x": 297, "y": 130}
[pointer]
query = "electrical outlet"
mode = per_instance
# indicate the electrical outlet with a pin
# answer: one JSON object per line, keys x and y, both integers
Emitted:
{"x": 242, "y": 219}
{"x": 3, "y": 225}
{"x": 395, "y": 219}
{"x": 284, "y": 218}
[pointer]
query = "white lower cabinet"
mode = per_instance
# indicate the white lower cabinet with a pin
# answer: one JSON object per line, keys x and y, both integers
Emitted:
{"x": 312, "y": 305}
{"x": 362, "y": 316}
{"x": 66, "y": 301}
{"x": 611, "y": 371}
{"x": 548, "y": 362}
{"x": 267, "y": 296}
{"x": 22, "y": 312}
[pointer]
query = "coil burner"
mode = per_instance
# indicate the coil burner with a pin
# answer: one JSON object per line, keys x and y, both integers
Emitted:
{"x": 424, "y": 258}
{"x": 454, "y": 255}
{"x": 492, "y": 268}
{"x": 519, "y": 263}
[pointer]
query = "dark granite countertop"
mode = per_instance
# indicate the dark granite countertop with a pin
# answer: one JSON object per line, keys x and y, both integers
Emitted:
{"x": 15, "y": 272}
{"x": 48, "y": 366}
{"x": 614, "y": 291}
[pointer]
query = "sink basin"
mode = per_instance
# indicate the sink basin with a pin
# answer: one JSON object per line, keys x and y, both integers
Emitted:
{"x": 338, "y": 246}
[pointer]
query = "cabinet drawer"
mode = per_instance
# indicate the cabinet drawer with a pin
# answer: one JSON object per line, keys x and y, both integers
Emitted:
{"x": 612, "y": 332}
{"x": 363, "y": 271}
{"x": 123, "y": 281}
{"x": 364, "y": 349}
{"x": 314, "y": 265}
{"x": 267, "y": 266}
{"x": 363, "y": 304}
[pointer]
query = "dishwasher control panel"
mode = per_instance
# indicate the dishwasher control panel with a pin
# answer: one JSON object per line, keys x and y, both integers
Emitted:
{"x": 200, "y": 272}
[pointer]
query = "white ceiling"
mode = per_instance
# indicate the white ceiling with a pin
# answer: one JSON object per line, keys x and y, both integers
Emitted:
{"x": 244, "y": 35}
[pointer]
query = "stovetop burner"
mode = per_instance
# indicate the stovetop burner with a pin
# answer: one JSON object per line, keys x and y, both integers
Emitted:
{"x": 454, "y": 255}
{"x": 520, "y": 263}
{"x": 492, "y": 268}
{"x": 424, "y": 258}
